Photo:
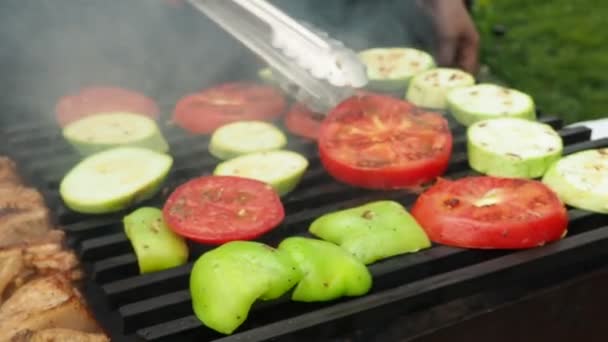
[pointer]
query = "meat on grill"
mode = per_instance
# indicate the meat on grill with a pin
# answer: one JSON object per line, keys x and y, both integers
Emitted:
{"x": 24, "y": 216}
{"x": 43, "y": 303}
{"x": 8, "y": 173}
{"x": 38, "y": 298}
{"x": 47, "y": 256}
{"x": 58, "y": 335}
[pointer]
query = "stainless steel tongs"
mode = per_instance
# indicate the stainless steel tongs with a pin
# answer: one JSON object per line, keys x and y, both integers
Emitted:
{"x": 308, "y": 64}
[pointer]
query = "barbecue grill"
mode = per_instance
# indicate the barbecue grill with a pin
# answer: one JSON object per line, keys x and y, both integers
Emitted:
{"x": 157, "y": 306}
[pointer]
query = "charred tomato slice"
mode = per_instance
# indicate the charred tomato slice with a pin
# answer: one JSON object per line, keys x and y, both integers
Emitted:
{"x": 103, "y": 99}
{"x": 380, "y": 142}
{"x": 491, "y": 213}
{"x": 217, "y": 209}
{"x": 303, "y": 122}
{"x": 203, "y": 112}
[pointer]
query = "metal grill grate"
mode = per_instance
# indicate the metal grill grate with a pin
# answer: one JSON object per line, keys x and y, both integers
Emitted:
{"x": 157, "y": 307}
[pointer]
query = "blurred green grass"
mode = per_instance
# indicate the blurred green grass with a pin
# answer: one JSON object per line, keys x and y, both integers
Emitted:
{"x": 557, "y": 51}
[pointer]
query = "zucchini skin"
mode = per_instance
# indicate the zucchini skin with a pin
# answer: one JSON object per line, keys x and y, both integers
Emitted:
{"x": 119, "y": 203}
{"x": 427, "y": 95}
{"x": 469, "y": 117}
{"x": 222, "y": 148}
{"x": 573, "y": 195}
{"x": 155, "y": 141}
{"x": 483, "y": 160}
{"x": 282, "y": 186}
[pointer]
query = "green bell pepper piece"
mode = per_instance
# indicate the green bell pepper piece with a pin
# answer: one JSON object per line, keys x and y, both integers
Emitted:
{"x": 226, "y": 281}
{"x": 329, "y": 272}
{"x": 373, "y": 231}
{"x": 157, "y": 247}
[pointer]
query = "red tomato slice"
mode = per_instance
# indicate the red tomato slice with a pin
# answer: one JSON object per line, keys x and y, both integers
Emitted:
{"x": 380, "y": 142}
{"x": 203, "y": 112}
{"x": 102, "y": 99}
{"x": 217, "y": 209}
{"x": 303, "y": 122}
{"x": 491, "y": 213}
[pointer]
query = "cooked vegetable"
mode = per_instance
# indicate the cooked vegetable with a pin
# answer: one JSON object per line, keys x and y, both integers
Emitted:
{"x": 390, "y": 69}
{"x": 510, "y": 147}
{"x": 282, "y": 170}
{"x": 217, "y": 209}
{"x": 581, "y": 180}
{"x": 372, "y": 231}
{"x": 379, "y": 142}
{"x": 265, "y": 74}
{"x": 156, "y": 246}
{"x": 328, "y": 271}
{"x": 303, "y": 122}
{"x": 114, "y": 179}
{"x": 491, "y": 213}
{"x": 239, "y": 138}
{"x": 227, "y": 280}
{"x": 429, "y": 89}
{"x": 205, "y": 111}
{"x": 487, "y": 101}
{"x": 103, "y": 99}
{"x": 100, "y": 132}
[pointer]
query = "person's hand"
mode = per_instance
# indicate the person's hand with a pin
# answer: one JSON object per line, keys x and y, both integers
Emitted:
{"x": 457, "y": 37}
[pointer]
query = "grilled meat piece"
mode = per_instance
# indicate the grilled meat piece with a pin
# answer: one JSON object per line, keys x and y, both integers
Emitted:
{"x": 44, "y": 303}
{"x": 23, "y": 216}
{"x": 38, "y": 299}
{"x": 49, "y": 257}
{"x": 58, "y": 335}
{"x": 8, "y": 173}
{"x": 21, "y": 262}
{"x": 11, "y": 265}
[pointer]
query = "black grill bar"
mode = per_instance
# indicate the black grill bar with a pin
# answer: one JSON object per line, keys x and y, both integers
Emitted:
{"x": 157, "y": 306}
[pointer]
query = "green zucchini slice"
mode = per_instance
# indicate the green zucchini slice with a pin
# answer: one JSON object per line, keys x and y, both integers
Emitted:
{"x": 429, "y": 89}
{"x": 281, "y": 169}
{"x": 99, "y": 132}
{"x": 157, "y": 247}
{"x": 581, "y": 180}
{"x": 244, "y": 137}
{"x": 390, "y": 69}
{"x": 114, "y": 179}
{"x": 487, "y": 101}
{"x": 511, "y": 147}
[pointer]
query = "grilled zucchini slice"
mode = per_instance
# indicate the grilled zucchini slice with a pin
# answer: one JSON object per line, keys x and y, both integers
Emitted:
{"x": 429, "y": 89}
{"x": 390, "y": 69}
{"x": 511, "y": 147}
{"x": 581, "y": 180}
{"x": 282, "y": 169}
{"x": 103, "y": 131}
{"x": 244, "y": 137}
{"x": 487, "y": 101}
{"x": 114, "y": 179}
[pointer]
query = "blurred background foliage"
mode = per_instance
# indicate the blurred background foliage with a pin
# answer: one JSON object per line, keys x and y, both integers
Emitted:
{"x": 556, "y": 50}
